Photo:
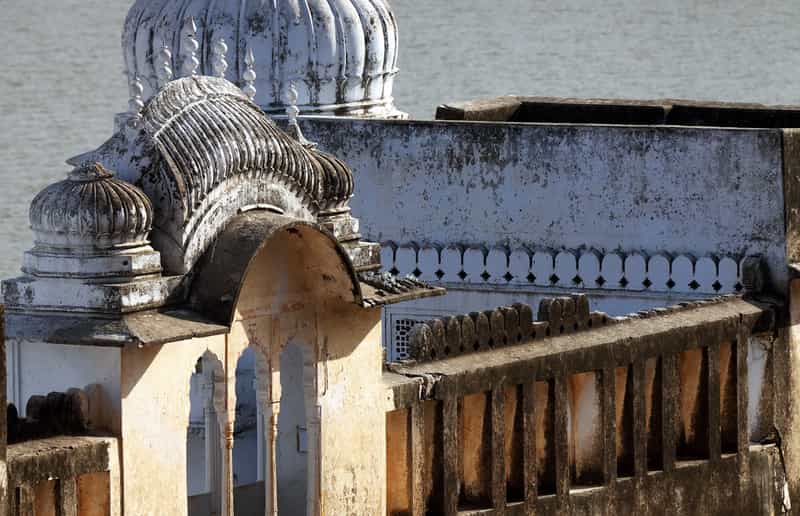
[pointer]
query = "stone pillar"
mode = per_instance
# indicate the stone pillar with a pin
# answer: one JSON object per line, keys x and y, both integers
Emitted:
{"x": 227, "y": 466}
{"x": 212, "y": 442}
{"x": 271, "y": 484}
{"x": 267, "y": 434}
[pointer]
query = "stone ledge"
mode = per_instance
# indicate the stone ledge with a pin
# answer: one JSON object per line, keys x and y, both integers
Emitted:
{"x": 58, "y": 457}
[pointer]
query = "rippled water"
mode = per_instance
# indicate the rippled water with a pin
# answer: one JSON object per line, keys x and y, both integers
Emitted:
{"x": 62, "y": 70}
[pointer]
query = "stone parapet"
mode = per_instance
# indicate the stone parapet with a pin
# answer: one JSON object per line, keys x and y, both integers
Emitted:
{"x": 663, "y": 411}
{"x": 64, "y": 475}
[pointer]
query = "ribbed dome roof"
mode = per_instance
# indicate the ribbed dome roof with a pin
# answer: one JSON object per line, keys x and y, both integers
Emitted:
{"x": 91, "y": 210}
{"x": 340, "y": 54}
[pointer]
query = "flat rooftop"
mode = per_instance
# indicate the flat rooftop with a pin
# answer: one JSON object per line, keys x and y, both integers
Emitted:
{"x": 554, "y": 110}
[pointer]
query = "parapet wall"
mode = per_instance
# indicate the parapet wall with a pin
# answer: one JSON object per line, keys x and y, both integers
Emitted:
{"x": 76, "y": 476}
{"x": 654, "y": 190}
{"x": 669, "y": 411}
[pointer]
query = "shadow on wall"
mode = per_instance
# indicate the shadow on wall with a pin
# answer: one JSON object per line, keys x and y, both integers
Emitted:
{"x": 292, "y": 446}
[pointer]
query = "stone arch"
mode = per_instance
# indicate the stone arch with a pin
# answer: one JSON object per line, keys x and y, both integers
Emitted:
{"x": 273, "y": 280}
{"x": 272, "y": 247}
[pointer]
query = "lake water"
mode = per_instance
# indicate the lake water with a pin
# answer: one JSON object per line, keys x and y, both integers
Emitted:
{"x": 62, "y": 68}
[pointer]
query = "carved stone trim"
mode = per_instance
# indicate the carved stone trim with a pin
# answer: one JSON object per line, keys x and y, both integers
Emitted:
{"x": 568, "y": 269}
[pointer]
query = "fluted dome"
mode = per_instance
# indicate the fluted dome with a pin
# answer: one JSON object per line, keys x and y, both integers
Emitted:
{"x": 91, "y": 210}
{"x": 340, "y": 54}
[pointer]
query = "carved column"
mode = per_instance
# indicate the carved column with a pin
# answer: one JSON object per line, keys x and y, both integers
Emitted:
{"x": 268, "y": 426}
{"x": 226, "y": 442}
{"x": 212, "y": 444}
{"x": 271, "y": 483}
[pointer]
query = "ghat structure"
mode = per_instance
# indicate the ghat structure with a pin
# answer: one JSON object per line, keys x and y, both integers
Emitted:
{"x": 200, "y": 286}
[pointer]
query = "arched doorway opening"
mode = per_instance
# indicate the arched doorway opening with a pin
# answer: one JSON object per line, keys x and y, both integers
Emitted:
{"x": 291, "y": 292}
{"x": 248, "y": 491}
{"x": 203, "y": 438}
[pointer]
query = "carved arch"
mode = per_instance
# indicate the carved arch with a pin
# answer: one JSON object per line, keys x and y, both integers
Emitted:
{"x": 215, "y": 154}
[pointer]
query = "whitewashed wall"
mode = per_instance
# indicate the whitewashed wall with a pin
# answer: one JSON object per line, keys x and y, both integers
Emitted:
{"x": 637, "y": 216}
{"x": 693, "y": 191}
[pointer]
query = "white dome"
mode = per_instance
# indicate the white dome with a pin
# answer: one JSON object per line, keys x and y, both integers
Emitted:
{"x": 340, "y": 54}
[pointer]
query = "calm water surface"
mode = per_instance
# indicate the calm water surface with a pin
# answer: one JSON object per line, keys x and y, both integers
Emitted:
{"x": 62, "y": 68}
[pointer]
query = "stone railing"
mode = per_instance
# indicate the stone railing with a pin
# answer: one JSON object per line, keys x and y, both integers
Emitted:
{"x": 63, "y": 475}
{"x": 642, "y": 414}
{"x": 54, "y": 465}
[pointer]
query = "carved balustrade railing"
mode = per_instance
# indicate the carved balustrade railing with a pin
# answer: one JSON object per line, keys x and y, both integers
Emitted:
{"x": 499, "y": 413}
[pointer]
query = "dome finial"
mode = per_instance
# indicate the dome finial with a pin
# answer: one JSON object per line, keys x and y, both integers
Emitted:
{"x": 249, "y": 75}
{"x": 164, "y": 65}
{"x": 189, "y": 48}
{"x": 136, "y": 103}
{"x": 293, "y": 128}
{"x": 219, "y": 64}
{"x": 291, "y": 104}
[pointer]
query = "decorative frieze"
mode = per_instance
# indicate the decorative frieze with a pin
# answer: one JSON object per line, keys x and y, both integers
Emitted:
{"x": 568, "y": 269}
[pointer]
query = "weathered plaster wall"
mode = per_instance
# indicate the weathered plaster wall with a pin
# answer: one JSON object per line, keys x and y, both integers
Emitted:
{"x": 155, "y": 416}
{"x": 353, "y": 462}
{"x": 655, "y": 189}
{"x": 673, "y": 208}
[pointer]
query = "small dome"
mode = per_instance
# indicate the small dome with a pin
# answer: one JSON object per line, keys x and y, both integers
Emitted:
{"x": 341, "y": 55}
{"x": 91, "y": 210}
